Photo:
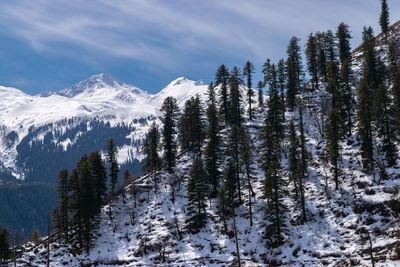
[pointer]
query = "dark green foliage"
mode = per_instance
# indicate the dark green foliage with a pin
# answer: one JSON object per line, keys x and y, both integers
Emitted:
{"x": 170, "y": 111}
{"x": 152, "y": 160}
{"x": 81, "y": 196}
{"x": 99, "y": 175}
{"x": 191, "y": 126}
{"x": 5, "y": 252}
{"x": 333, "y": 136}
{"x": 228, "y": 193}
{"x": 345, "y": 74}
{"x": 197, "y": 195}
{"x": 112, "y": 161}
{"x": 212, "y": 151}
{"x": 312, "y": 60}
{"x": 248, "y": 71}
{"x": 282, "y": 77}
{"x": 235, "y": 97}
{"x": 370, "y": 80}
{"x": 294, "y": 71}
{"x": 385, "y": 123}
{"x": 221, "y": 78}
{"x": 270, "y": 160}
{"x": 384, "y": 18}
{"x": 260, "y": 86}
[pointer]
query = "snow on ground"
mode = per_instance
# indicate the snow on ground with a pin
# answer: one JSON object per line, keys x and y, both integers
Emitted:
{"x": 332, "y": 236}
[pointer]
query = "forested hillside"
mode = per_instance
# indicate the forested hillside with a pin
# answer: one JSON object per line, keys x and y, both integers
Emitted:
{"x": 300, "y": 168}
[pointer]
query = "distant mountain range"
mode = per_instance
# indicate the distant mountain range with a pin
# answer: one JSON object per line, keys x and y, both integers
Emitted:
{"x": 41, "y": 134}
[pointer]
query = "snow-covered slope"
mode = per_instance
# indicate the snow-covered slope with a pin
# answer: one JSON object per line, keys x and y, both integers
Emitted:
{"x": 100, "y": 97}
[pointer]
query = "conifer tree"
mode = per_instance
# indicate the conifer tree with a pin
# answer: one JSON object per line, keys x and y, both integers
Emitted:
{"x": 212, "y": 150}
{"x": 99, "y": 175}
{"x": 303, "y": 161}
{"x": 152, "y": 160}
{"x": 112, "y": 161}
{"x": 385, "y": 124}
{"x": 321, "y": 56}
{"x": 270, "y": 159}
{"x": 345, "y": 74}
{"x": 282, "y": 78}
{"x": 76, "y": 210}
{"x": 248, "y": 71}
{"x": 191, "y": 126}
{"x": 221, "y": 78}
{"x": 170, "y": 111}
{"x": 370, "y": 79}
{"x": 384, "y": 18}
{"x": 333, "y": 135}
{"x": 311, "y": 54}
{"x": 235, "y": 97}
{"x": 294, "y": 71}
{"x": 88, "y": 204}
{"x": 260, "y": 86}
{"x": 5, "y": 251}
{"x": 197, "y": 195}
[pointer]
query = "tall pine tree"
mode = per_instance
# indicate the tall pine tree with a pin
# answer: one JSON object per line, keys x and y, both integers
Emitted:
{"x": 170, "y": 111}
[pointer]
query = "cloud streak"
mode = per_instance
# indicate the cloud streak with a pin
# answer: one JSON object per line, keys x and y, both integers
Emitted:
{"x": 178, "y": 34}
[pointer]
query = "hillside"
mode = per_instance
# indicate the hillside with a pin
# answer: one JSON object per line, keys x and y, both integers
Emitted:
{"x": 59, "y": 127}
{"x": 344, "y": 227}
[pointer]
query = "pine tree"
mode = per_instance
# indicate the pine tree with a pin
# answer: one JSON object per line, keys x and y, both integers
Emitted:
{"x": 197, "y": 196}
{"x": 303, "y": 162}
{"x": 5, "y": 252}
{"x": 311, "y": 54}
{"x": 235, "y": 97}
{"x": 370, "y": 79}
{"x": 112, "y": 161}
{"x": 212, "y": 150}
{"x": 248, "y": 71}
{"x": 333, "y": 136}
{"x": 270, "y": 159}
{"x": 260, "y": 86}
{"x": 345, "y": 74}
{"x": 152, "y": 160}
{"x": 191, "y": 125}
{"x": 88, "y": 204}
{"x": 321, "y": 56}
{"x": 384, "y": 18}
{"x": 76, "y": 211}
{"x": 99, "y": 175}
{"x": 385, "y": 124}
{"x": 170, "y": 111}
{"x": 294, "y": 71}
{"x": 282, "y": 78}
{"x": 221, "y": 78}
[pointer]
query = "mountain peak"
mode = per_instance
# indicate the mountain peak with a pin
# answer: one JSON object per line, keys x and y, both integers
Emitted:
{"x": 94, "y": 82}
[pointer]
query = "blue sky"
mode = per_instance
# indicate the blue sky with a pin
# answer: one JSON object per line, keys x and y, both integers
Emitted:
{"x": 52, "y": 44}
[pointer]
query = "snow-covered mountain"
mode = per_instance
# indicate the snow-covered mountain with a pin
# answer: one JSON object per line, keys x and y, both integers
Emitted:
{"x": 41, "y": 134}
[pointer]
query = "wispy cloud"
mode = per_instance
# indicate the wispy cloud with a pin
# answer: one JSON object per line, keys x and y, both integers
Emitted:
{"x": 178, "y": 34}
